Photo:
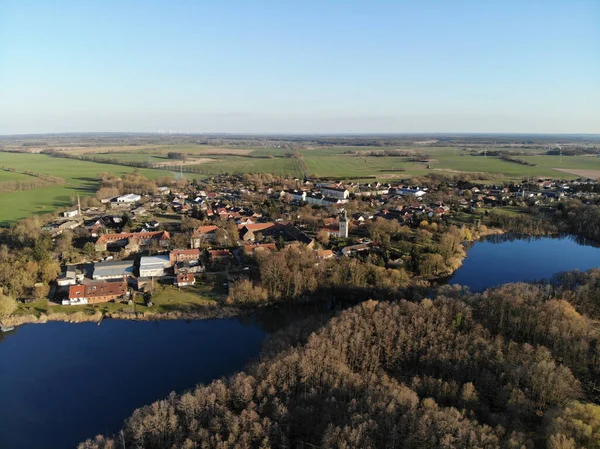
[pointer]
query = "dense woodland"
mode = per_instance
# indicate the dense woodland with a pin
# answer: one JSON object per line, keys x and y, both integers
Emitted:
{"x": 513, "y": 367}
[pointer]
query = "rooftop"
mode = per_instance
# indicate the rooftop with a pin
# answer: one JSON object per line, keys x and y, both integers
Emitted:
{"x": 152, "y": 260}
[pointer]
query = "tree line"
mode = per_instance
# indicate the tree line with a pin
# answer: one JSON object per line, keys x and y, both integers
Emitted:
{"x": 37, "y": 181}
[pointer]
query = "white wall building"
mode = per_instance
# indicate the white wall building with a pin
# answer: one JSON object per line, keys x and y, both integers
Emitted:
{"x": 335, "y": 192}
{"x": 129, "y": 198}
{"x": 70, "y": 213}
{"x": 343, "y": 232}
{"x": 154, "y": 266}
{"x": 297, "y": 195}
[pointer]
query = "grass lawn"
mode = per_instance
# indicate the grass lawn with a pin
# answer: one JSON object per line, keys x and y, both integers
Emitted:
{"x": 80, "y": 177}
{"x": 169, "y": 298}
{"x": 511, "y": 211}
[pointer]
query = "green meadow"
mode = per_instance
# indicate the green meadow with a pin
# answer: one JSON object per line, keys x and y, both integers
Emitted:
{"x": 565, "y": 162}
{"x": 80, "y": 178}
{"x": 469, "y": 163}
{"x": 262, "y": 160}
{"x": 349, "y": 167}
{"x": 12, "y": 176}
{"x": 132, "y": 157}
{"x": 279, "y": 166}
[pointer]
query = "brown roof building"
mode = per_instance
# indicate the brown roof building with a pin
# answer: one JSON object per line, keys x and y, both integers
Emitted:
{"x": 94, "y": 293}
{"x": 183, "y": 280}
{"x": 140, "y": 239}
{"x": 184, "y": 255}
{"x": 204, "y": 234}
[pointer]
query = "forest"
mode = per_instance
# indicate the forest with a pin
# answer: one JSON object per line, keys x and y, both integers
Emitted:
{"x": 513, "y": 367}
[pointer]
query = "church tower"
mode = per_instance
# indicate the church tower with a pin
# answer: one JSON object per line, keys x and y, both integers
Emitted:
{"x": 344, "y": 226}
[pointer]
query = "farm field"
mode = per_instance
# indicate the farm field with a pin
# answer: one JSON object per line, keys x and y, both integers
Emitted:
{"x": 468, "y": 163}
{"x": 566, "y": 162}
{"x": 214, "y": 160}
{"x": 356, "y": 167}
{"x": 80, "y": 177}
{"x": 190, "y": 149}
{"x": 335, "y": 162}
{"x": 279, "y": 166}
{"x": 131, "y": 157}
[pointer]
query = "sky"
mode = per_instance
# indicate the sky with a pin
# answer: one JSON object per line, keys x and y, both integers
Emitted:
{"x": 301, "y": 66}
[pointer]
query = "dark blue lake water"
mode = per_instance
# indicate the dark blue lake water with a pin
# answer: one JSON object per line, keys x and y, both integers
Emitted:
{"x": 61, "y": 383}
{"x": 501, "y": 259}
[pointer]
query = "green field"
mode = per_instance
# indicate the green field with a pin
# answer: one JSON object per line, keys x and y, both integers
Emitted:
{"x": 322, "y": 164}
{"x": 134, "y": 157}
{"x": 11, "y": 176}
{"x": 335, "y": 162}
{"x": 279, "y": 166}
{"x": 468, "y": 163}
{"x": 80, "y": 177}
{"x": 276, "y": 164}
{"x": 566, "y": 162}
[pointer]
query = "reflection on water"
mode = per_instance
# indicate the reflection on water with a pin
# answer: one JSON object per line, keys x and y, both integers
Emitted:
{"x": 499, "y": 259}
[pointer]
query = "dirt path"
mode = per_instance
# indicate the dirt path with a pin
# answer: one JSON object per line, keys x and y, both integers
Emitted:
{"x": 301, "y": 164}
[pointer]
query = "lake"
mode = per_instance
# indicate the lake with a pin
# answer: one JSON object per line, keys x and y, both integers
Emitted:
{"x": 508, "y": 258}
{"x": 61, "y": 383}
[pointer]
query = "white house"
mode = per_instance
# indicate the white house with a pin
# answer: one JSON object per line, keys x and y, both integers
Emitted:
{"x": 335, "y": 192}
{"x": 67, "y": 278}
{"x": 184, "y": 279}
{"x": 129, "y": 198}
{"x": 70, "y": 213}
{"x": 416, "y": 192}
{"x": 296, "y": 195}
{"x": 154, "y": 266}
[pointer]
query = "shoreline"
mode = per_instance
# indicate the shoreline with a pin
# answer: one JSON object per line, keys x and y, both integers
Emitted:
{"x": 216, "y": 312}
{"x": 82, "y": 317}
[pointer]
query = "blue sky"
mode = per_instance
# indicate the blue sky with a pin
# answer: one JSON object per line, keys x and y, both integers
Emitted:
{"x": 300, "y": 66}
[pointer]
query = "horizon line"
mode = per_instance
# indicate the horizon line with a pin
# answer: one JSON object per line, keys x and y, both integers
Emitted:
{"x": 302, "y": 134}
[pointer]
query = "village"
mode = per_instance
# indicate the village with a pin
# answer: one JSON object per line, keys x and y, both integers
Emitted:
{"x": 185, "y": 231}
